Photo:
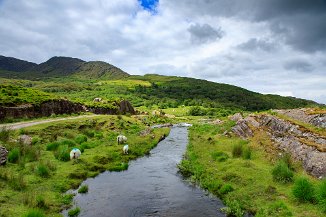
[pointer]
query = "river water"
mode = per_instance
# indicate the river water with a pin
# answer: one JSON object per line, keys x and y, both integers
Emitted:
{"x": 150, "y": 187}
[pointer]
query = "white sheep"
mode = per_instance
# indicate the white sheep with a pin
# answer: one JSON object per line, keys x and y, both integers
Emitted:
{"x": 121, "y": 139}
{"x": 125, "y": 149}
{"x": 75, "y": 153}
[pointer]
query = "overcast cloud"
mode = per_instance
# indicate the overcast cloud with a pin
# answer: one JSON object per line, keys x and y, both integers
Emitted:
{"x": 265, "y": 46}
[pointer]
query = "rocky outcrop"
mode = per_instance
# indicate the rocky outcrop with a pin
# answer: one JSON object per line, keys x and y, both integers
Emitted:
{"x": 25, "y": 140}
{"x": 302, "y": 144}
{"x": 305, "y": 115}
{"x": 236, "y": 117}
{"x": 61, "y": 107}
{"x": 3, "y": 155}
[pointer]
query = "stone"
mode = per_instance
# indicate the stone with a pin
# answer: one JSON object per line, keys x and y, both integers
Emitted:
{"x": 25, "y": 140}
{"x": 236, "y": 117}
{"x": 242, "y": 129}
{"x": 3, "y": 155}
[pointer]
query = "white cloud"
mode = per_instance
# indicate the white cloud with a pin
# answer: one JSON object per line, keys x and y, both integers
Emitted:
{"x": 251, "y": 50}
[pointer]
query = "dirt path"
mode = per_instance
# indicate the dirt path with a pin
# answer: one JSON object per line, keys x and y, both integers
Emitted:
{"x": 19, "y": 125}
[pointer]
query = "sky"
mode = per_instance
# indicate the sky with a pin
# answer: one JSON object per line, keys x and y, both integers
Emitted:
{"x": 266, "y": 46}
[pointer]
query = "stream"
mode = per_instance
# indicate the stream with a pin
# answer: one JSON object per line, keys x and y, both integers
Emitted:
{"x": 151, "y": 186}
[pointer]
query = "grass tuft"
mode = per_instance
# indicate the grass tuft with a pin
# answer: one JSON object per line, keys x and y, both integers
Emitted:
{"x": 282, "y": 173}
{"x": 83, "y": 189}
{"x": 74, "y": 212}
{"x": 303, "y": 190}
{"x": 34, "y": 213}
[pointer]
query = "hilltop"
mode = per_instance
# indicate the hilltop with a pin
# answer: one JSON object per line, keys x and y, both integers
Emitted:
{"x": 58, "y": 67}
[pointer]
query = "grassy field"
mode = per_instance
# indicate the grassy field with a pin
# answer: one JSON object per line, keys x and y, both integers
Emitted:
{"x": 240, "y": 172}
{"x": 38, "y": 175}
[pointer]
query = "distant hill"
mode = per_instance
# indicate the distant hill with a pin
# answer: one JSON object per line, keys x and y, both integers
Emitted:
{"x": 15, "y": 65}
{"x": 58, "y": 67}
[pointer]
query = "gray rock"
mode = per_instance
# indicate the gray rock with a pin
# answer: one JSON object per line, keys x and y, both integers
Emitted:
{"x": 236, "y": 117}
{"x": 25, "y": 140}
{"x": 242, "y": 129}
{"x": 3, "y": 155}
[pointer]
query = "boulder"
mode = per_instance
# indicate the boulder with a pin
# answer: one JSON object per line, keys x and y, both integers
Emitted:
{"x": 3, "y": 155}
{"x": 242, "y": 129}
{"x": 236, "y": 117}
{"x": 25, "y": 140}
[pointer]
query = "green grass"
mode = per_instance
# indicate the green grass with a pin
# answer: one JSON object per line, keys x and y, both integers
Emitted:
{"x": 282, "y": 173}
{"x": 303, "y": 190}
{"x": 253, "y": 187}
{"x": 51, "y": 177}
{"x": 74, "y": 212}
{"x": 34, "y": 213}
{"x": 83, "y": 189}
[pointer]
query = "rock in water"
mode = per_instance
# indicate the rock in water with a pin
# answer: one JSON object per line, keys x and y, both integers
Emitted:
{"x": 3, "y": 155}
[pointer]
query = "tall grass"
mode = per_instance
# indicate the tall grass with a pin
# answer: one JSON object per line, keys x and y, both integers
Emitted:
{"x": 282, "y": 173}
{"x": 321, "y": 195}
{"x": 303, "y": 190}
{"x": 34, "y": 213}
{"x": 62, "y": 153}
{"x": 237, "y": 150}
{"x": 14, "y": 155}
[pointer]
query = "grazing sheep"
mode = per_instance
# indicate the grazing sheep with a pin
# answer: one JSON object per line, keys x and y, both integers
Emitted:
{"x": 75, "y": 153}
{"x": 97, "y": 100}
{"x": 121, "y": 139}
{"x": 125, "y": 149}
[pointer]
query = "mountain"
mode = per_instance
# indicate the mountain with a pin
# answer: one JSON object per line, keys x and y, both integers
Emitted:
{"x": 16, "y": 65}
{"x": 58, "y": 67}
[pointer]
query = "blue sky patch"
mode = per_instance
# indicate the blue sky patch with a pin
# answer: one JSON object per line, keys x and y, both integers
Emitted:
{"x": 149, "y": 4}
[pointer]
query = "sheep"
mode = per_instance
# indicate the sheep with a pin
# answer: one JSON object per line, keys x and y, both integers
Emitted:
{"x": 75, "y": 153}
{"x": 125, "y": 149}
{"x": 97, "y": 99}
{"x": 121, "y": 139}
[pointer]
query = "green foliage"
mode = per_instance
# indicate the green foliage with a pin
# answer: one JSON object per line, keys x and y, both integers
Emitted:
{"x": 40, "y": 202}
{"x": 219, "y": 156}
{"x": 196, "y": 111}
{"x": 67, "y": 198}
{"x": 52, "y": 146}
{"x": 83, "y": 189}
{"x": 80, "y": 139}
{"x": 277, "y": 209}
{"x": 14, "y": 155}
{"x": 237, "y": 150}
{"x": 74, "y": 212}
{"x": 246, "y": 154}
{"x": 282, "y": 173}
{"x": 227, "y": 188}
{"x": 233, "y": 208}
{"x": 17, "y": 183}
{"x": 34, "y": 213}
{"x": 4, "y": 134}
{"x": 321, "y": 195}
{"x": 63, "y": 153}
{"x": 303, "y": 190}
{"x": 42, "y": 170}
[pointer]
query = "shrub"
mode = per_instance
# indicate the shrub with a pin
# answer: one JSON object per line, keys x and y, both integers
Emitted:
{"x": 52, "y": 146}
{"x": 219, "y": 156}
{"x": 321, "y": 195}
{"x": 40, "y": 202}
{"x": 83, "y": 189}
{"x": 246, "y": 153}
{"x": 14, "y": 155}
{"x": 74, "y": 212}
{"x": 62, "y": 153}
{"x": 4, "y": 134}
{"x": 34, "y": 213}
{"x": 237, "y": 150}
{"x": 282, "y": 173}
{"x": 233, "y": 208}
{"x": 303, "y": 190}
{"x": 80, "y": 139}
{"x": 17, "y": 183}
{"x": 278, "y": 208}
{"x": 42, "y": 170}
{"x": 226, "y": 189}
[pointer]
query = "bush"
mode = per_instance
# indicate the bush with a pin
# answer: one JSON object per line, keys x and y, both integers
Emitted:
{"x": 303, "y": 190}
{"x": 14, "y": 155}
{"x": 282, "y": 173}
{"x": 226, "y": 189}
{"x": 74, "y": 212}
{"x": 233, "y": 208}
{"x": 34, "y": 213}
{"x": 196, "y": 111}
{"x": 4, "y": 134}
{"x": 80, "y": 139}
{"x": 246, "y": 153}
{"x": 219, "y": 156}
{"x": 321, "y": 195}
{"x": 62, "y": 153}
{"x": 52, "y": 146}
{"x": 237, "y": 150}
{"x": 42, "y": 170}
{"x": 83, "y": 189}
